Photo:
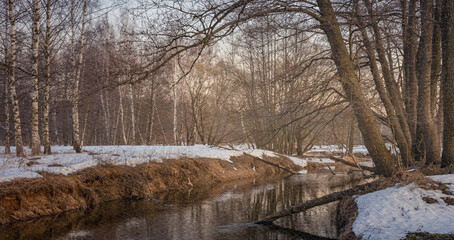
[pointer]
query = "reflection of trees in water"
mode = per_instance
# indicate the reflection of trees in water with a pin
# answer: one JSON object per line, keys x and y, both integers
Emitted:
{"x": 198, "y": 215}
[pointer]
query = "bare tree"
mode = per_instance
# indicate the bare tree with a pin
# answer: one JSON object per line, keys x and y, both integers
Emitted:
{"x": 425, "y": 117}
{"x": 36, "y": 142}
{"x": 12, "y": 67}
{"x": 366, "y": 120}
{"x": 448, "y": 82}
{"x": 77, "y": 71}
{"x": 47, "y": 42}
{"x": 7, "y": 86}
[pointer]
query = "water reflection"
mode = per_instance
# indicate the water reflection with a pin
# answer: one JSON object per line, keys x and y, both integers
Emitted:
{"x": 222, "y": 212}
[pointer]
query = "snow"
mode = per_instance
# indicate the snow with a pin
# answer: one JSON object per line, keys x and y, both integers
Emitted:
{"x": 393, "y": 212}
{"x": 337, "y": 149}
{"x": 64, "y": 160}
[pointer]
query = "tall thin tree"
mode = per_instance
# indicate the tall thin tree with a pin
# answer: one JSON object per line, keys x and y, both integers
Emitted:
{"x": 78, "y": 68}
{"x": 425, "y": 118}
{"x": 46, "y": 135}
{"x": 448, "y": 81}
{"x": 36, "y": 143}
{"x": 12, "y": 66}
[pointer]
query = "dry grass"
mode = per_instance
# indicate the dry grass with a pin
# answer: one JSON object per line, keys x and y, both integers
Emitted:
{"x": 347, "y": 211}
{"x": 30, "y": 198}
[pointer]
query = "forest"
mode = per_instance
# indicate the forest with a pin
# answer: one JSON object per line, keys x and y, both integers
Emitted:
{"x": 278, "y": 75}
{"x": 166, "y": 100}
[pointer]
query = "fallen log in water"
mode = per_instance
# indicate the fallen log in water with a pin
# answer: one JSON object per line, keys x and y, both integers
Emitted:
{"x": 336, "y": 159}
{"x": 360, "y": 189}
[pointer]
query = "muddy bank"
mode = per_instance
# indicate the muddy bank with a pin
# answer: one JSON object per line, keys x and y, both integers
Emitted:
{"x": 31, "y": 198}
{"x": 113, "y": 214}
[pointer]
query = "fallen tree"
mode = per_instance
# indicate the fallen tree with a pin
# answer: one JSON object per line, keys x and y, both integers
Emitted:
{"x": 360, "y": 189}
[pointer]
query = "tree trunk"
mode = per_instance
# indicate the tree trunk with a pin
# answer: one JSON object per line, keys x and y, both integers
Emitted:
{"x": 87, "y": 111}
{"x": 76, "y": 131}
{"x": 391, "y": 84}
{"x": 364, "y": 115}
{"x": 448, "y": 82}
{"x": 12, "y": 66}
{"x": 151, "y": 115}
{"x": 7, "y": 93}
{"x": 398, "y": 133}
{"x": 106, "y": 117}
{"x": 360, "y": 189}
{"x": 411, "y": 83}
{"x": 122, "y": 117}
{"x": 351, "y": 135}
{"x": 133, "y": 117}
{"x": 425, "y": 118}
{"x": 46, "y": 135}
{"x": 36, "y": 143}
{"x": 436, "y": 59}
{"x": 175, "y": 105}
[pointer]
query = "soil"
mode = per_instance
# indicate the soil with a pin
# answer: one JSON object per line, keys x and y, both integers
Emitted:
{"x": 52, "y": 194}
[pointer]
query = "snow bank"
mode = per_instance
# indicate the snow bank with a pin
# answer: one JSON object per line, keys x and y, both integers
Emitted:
{"x": 65, "y": 160}
{"x": 336, "y": 149}
{"x": 393, "y": 212}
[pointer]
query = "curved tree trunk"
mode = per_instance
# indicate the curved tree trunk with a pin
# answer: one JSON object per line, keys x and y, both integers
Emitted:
{"x": 391, "y": 84}
{"x": 345, "y": 66}
{"x": 401, "y": 139}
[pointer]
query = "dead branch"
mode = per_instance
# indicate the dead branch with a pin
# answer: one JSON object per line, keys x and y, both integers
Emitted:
{"x": 270, "y": 163}
{"x": 351, "y": 164}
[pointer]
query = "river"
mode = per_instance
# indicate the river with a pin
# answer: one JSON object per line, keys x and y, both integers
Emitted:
{"x": 224, "y": 211}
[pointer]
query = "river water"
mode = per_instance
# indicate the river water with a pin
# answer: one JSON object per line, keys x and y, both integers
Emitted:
{"x": 225, "y": 211}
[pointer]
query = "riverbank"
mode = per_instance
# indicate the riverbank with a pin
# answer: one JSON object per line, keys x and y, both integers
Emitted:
{"x": 52, "y": 193}
{"x": 412, "y": 205}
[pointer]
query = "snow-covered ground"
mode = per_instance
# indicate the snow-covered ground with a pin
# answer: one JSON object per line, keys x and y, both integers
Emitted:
{"x": 336, "y": 149}
{"x": 393, "y": 212}
{"x": 64, "y": 160}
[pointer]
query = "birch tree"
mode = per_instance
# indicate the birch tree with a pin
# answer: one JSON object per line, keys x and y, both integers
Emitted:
{"x": 36, "y": 142}
{"x": 12, "y": 82}
{"x": 7, "y": 99}
{"x": 47, "y": 42}
{"x": 77, "y": 72}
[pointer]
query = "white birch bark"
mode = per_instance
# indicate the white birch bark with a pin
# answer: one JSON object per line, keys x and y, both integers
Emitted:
{"x": 106, "y": 118}
{"x": 7, "y": 93}
{"x": 151, "y": 118}
{"x": 76, "y": 130}
{"x": 36, "y": 143}
{"x": 46, "y": 135}
{"x": 175, "y": 103}
{"x": 122, "y": 119}
{"x": 133, "y": 120}
{"x": 12, "y": 66}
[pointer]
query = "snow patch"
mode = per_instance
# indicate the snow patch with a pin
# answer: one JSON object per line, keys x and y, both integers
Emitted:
{"x": 65, "y": 161}
{"x": 393, "y": 212}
